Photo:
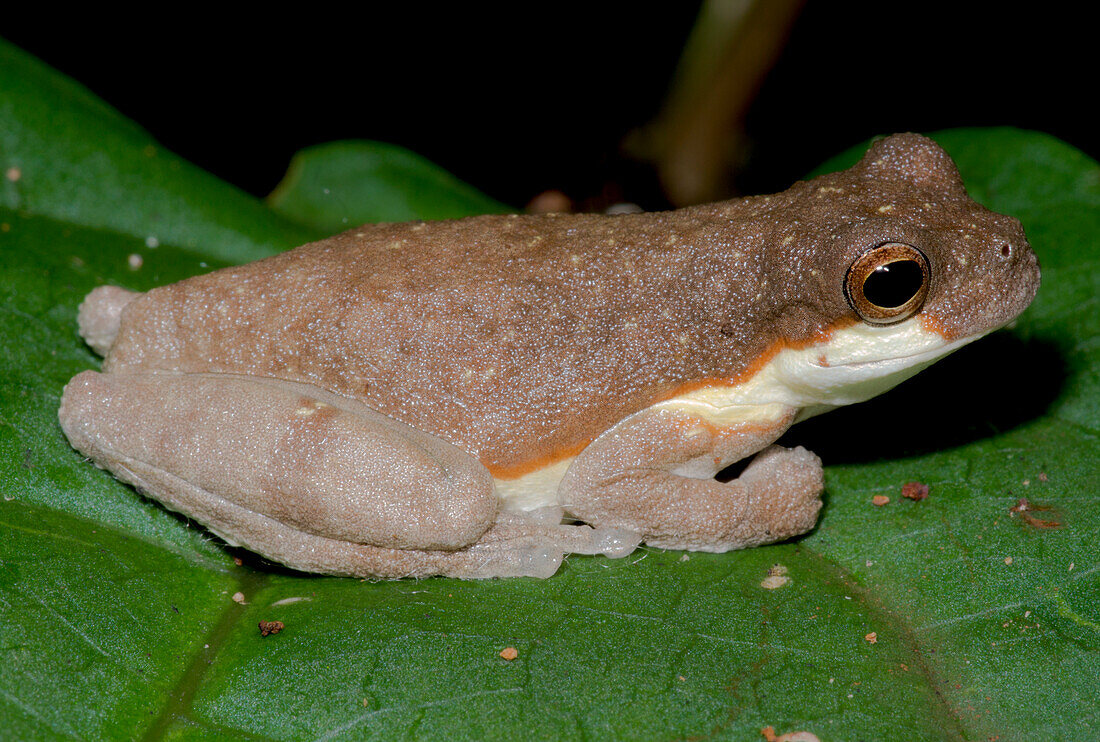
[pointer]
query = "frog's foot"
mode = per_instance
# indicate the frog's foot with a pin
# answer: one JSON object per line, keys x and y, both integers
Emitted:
{"x": 543, "y": 528}
{"x": 99, "y": 315}
{"x": 775, "y": 498}
{"x": 281, "y": 467}
{"x": 517, "y": 545}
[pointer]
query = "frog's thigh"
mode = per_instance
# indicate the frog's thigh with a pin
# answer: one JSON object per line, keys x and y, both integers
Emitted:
{"x": 280, "y": 453}
{"x": 653, "y": 474}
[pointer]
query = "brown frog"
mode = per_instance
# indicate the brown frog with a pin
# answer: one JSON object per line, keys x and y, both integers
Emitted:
{"x": 479, "y": 397}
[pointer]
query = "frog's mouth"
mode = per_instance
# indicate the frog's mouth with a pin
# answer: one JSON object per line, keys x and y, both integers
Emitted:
{"x": 882, "y": 349}
{"x": 861, "y": 362}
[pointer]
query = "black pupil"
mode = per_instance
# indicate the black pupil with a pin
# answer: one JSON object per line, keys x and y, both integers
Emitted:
{"x": 893, "y": 284}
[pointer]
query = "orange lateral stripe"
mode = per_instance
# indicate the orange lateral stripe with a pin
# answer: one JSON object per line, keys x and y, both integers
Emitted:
{"x": 515, "y": 471}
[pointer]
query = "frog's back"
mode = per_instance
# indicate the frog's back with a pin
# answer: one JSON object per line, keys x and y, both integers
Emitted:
{"x": 505, "y": 335}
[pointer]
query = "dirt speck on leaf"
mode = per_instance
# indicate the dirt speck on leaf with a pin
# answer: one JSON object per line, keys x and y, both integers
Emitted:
{"x": 915, "y": 491}
{"x": 769, "y": 735}
{"x": 271, "y": 627}
{"x": 776, "y": 577}
{"x": 1023, "y": 507}
{"x": 289, "y": 601}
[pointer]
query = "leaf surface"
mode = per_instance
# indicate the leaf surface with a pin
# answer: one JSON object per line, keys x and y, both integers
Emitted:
{"x": 335, "y": 186}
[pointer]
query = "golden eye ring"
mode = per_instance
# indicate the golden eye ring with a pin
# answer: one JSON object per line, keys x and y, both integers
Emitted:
{"x": 887, "y": 283}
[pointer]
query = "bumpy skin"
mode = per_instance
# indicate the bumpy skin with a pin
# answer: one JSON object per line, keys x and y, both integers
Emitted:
{"x": 502, "y": 344}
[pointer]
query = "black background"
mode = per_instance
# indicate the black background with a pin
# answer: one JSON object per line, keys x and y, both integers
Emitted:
{"x": 539, "y": 96}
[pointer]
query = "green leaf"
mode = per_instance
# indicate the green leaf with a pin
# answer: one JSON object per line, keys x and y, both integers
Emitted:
{"x": 117, "y": 618}
{"x": 336, "y": 186}
{"x": 70, "y": 157}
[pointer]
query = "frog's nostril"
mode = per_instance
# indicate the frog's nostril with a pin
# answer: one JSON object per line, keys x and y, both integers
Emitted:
{"x": 1006, "y": 250}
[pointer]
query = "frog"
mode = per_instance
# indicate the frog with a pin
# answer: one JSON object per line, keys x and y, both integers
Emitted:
{"x": 482, "y": 397}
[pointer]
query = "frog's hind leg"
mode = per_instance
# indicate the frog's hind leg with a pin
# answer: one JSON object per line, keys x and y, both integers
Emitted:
{"x": 288, "y": 470}
{"x": 100, "y": 315}
{"x": 505, "y": 550}
{"x": 312, "y": 480}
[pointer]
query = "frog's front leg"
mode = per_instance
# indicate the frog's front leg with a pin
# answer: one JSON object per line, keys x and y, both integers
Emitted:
{"x": 307, "y": 478}
{"x": 654, "y": 472}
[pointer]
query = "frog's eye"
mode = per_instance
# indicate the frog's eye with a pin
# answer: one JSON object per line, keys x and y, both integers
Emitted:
{"x": 887, "y": 283}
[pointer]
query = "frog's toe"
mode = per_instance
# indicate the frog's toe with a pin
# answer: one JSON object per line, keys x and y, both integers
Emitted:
{"x": 615, "y": 543}
{"x": 100, "y": 316}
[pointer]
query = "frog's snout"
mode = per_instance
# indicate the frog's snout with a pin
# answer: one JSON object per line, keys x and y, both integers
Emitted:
{"x": 1023, "y": 268}
{"x": 1013, "y": 251}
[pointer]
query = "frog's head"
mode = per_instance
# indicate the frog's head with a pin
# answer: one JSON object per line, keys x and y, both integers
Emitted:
{"x": 902, "y": 265}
